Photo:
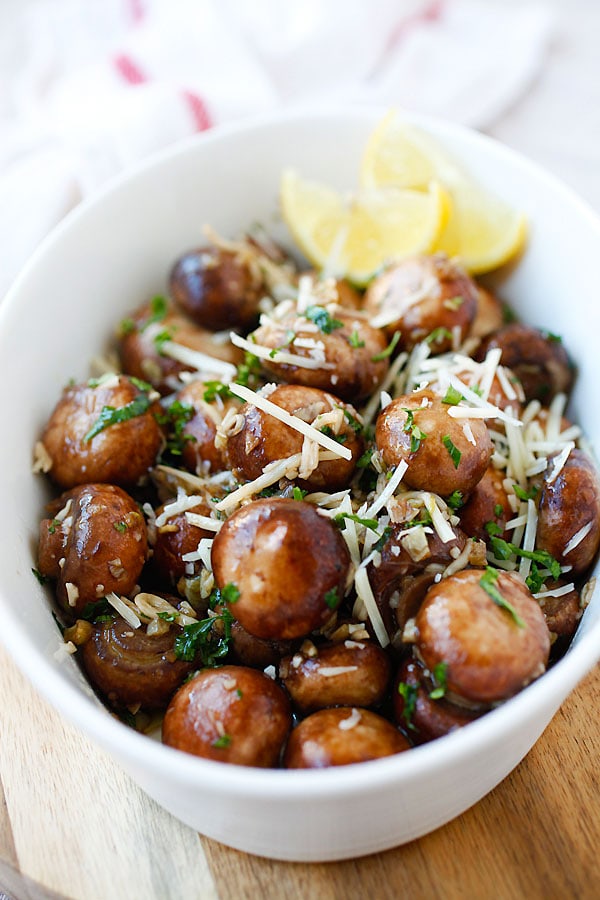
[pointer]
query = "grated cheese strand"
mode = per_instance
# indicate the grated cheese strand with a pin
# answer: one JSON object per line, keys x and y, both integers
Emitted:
{"x": 288, "y": 419}
{"x": 388, "y": 490}
{"x": 578, "y": 537}
{"x": 365, "y": 594}
{"x": 200, "y": 361}
{"x": 282, "y": 356}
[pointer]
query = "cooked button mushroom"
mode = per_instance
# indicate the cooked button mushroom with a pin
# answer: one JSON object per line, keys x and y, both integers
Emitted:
{"x": 232, "y": 714}
{"x": 537, "y": 358}
{"x": 444, "y": 454}
{"x": 145, "y": 336}
{"x": 337, "y": 350}
{"x": 288, "y": 566}
{"x": 103, "y": 431}
{"x": 338, "y": 737}
{"x": 349, "y": 673}
{"x": 569, "y": 511}
{"x": 264, "y": 439}
{"x": 218, "y": 288}
{"x": 94, "y": 543}
{"x": 131, "y": 667}
{"x": 487, "y": 630}
{"x": 420, "y": 706}
{"x": 424, "y": 298}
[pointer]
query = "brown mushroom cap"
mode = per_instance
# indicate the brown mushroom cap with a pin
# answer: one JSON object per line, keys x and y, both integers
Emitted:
{"x": 490, "y": 653}
{"x": 288, "y": 563}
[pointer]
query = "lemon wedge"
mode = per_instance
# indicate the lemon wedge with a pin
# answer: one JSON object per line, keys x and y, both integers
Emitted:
{"x": 353, "y": 235}
{"x": 481, "y": 229}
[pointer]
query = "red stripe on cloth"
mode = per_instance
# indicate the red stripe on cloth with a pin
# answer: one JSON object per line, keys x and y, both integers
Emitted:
{"x": 198, "y": 110}
{"x": 431, "y": 13}
{"x": 136, "y": 9}
{"x": 129, "y": 70}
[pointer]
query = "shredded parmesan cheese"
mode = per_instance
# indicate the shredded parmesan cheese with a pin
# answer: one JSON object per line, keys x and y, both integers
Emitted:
{"x": 293, "y": 421}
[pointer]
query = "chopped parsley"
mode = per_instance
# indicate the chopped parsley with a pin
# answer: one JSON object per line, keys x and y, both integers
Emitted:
{"x": 332, "y": 598}
{"x": 504, "y": 550}
{"x": 439, "y": 675}
{"x": 438, "y": 335}
{"x": 158, "y": 311}
{"x": 388, "y": 350}
{"x": 452, "y": 449}
{"x": 498, "y": 510}
{"x": 488, "y": 582}
{"x": 322, "y": 319}
{"x": 121, "y": 527}
{"x": 199, "y": 639}
{"x": 110, "y": 415}
{"x": 230, "y": 593}
{"x": 224, "y": 740}
{"x": 367, "y": 523}
{"x": 408, "y": 692}
{"x": 53, "y": 526}
{"x": 161, "y": 338}
{"x": 214, "y": 389}
{"x": 455, "y": 500}
{"x": 365, "y": 459}
{"x": 97, "y": 611}
{"x": 380, "y": 544}
{"x": 454, "y": 302}
{"x": 452, "y": 397}
{"x": 328, "y": 430}
{"x": 248, "y": 371}
{"x": 522, "y": 494}
{"x": 534, "y": 580}
{"x": 175, "y": 417}
{"x": 289, "y": 337}
{"x": 41, "y": 578}
{"x": 553, "y": 338}
{"x": 127, "y": 326}
{"x": 298, "y": 493}
{"x": 352, "y": 421}
{"x": 168, "y": 616}
{"x": 355, "y": 341}
{"x": 416, "y": 434}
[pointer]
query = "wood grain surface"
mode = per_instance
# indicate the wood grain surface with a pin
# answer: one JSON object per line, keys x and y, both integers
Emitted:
{"x": 72, "y": 825}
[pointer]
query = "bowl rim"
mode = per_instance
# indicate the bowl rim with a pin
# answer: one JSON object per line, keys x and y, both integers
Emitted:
{"x": 91, "y": 717}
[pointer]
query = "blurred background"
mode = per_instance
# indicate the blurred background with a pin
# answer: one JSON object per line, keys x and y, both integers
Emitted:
{"x": 88, "y": 88}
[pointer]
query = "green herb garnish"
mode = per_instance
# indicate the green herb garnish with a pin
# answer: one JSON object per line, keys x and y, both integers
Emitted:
{"x": 455, "y": 500}
{"x": 121, "y": 527}
{"x": 199, "y": 639}
{"x": 230, "y": 593}
{"x": 214, "y": 389}
{"x": 298, "y": 493}
{"x": 355, "y": 341}
{"x": 175, "y": 417}
{"x": 248, "y": 371}
{"x": 534, "y": 580}
{"x": 439, "y": 675}
{"x": 452, "y": 397}
{"x": 168, "y": 616}
{"x": 438, "y": 335}
{"x": 340, "y": 518}
{"x": 522, "y": 494}
{"x": 41, "y": 578}
{"x": 408, "y": 692}
{"x": 365, "y": 459}
{"x": 328, "y": 430}
{"x": 332, "y": 599}
{"x": 322, "y": 319}
{"x": 110, "y": 415}
{"x": 158, "y": 311}
{"x": 380, "y": 544}
{"x": 388, "y": 350}
{"x": 488, "y": 582}
{"x": 409, "y": 427}
{"x": 454, "y": 302}
{"x": 224, "y": 740}
{"x": 98, "y": 611}
{"x": 452, "y": 449}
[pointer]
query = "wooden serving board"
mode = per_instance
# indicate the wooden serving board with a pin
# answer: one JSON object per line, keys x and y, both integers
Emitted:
{"x": 72, "y": 824}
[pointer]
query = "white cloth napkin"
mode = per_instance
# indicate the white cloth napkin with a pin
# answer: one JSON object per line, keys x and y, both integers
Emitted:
{"x": 89, "y": 87}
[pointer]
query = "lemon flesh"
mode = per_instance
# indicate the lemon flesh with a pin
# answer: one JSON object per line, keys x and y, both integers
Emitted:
{"x": 354, "y": 235}
{"x": 482, "y": 230}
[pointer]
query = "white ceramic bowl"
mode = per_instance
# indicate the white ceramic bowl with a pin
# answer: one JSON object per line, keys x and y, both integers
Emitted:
{"x": 111, "y": 255}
